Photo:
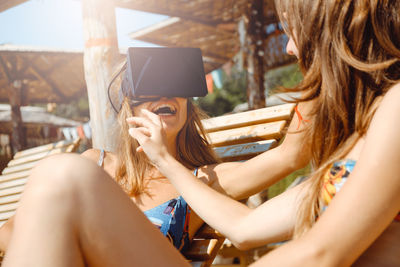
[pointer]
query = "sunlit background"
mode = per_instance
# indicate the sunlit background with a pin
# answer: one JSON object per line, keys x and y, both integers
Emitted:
{"x": 58, "y": 24}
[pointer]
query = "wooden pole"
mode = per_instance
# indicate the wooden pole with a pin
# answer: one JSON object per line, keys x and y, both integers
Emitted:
{"x": 100, "y": 55}
{"x": 255, "y": 42}
{"x": 18, "y": 140}
{"x": 18, "y": 134}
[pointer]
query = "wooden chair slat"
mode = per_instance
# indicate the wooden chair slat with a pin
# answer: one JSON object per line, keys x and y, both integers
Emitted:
{"x": 19, "y": 168}
{"x": 265, "y": 131}
{"x": 25, "y": 160}
{"x": 9, "y": 199}
{"x": 9, "y": 207}
{"x": 14, "y": 176}
{"x": 200, "y": 249}
{"x": 36, "y": 157}
{"x": 204, "y": 250}
{"x": 12, "y": 183}
{"x": 258, "y": 116}
{"x": 244, "y": 151}
{"x": 43, "y": 148}
{"x": 12, "y": 191}
{"x": 207, "y": 232}
{"x": 6, "y": 215}
{"x": 204, "y": 246}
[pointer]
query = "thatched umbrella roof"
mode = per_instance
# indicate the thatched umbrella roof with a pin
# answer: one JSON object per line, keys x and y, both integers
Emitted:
{"x": 216, "y": 43}
{"x": 52, "y": 75}
{"x": 210, "y": 25}
{"x": 203, "y": 11}
{"x": 209, "y": 12}
{"x": 46, "y": 75}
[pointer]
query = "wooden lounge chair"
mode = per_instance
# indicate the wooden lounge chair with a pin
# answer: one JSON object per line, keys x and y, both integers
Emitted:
{"x": 235, "y": 137}
{"x": 238, "y": 136}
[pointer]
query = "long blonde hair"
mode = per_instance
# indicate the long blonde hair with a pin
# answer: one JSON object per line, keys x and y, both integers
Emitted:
{"x": 193, "y": 149}
{"x": 350, "y": 57}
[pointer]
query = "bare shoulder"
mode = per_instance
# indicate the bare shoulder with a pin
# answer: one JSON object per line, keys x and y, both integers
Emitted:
{"x": 384, "y": 129}
{"x": 389, "y": 108}
{"x": 393, "y": 95}
{"x": 92, "y": 154}
{"x": 110, "y": 159}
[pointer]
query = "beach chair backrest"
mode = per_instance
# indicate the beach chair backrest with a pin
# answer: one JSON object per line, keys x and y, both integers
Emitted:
{"x": 238, "y": 136}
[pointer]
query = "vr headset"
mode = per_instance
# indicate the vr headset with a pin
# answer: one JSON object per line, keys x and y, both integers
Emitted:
{"x": 155, "y": 72}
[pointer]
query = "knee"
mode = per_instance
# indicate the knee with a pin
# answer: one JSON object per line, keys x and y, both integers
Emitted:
{"x": 63, "y": 175}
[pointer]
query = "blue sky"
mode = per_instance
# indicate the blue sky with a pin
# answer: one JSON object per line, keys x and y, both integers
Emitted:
{"x": 58, "y": 24}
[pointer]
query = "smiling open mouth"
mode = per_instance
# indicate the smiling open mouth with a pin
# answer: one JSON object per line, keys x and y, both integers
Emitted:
{"x": 165, "y": 110}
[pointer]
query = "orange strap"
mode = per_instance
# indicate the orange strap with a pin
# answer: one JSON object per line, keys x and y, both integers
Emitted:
{"x": 300, "y": 117}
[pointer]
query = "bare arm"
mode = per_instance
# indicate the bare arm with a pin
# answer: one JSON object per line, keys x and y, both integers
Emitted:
{"x": 247, "y": 228}
{"x": 241, "y": 180}
{"x": 365, "y": 206}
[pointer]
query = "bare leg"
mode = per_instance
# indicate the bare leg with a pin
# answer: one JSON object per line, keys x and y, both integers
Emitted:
{"x": 73, "y": 214}
{"x": 5, "y": 233}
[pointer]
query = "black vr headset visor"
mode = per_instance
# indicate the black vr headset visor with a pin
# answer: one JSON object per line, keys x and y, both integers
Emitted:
{"x": 155, "y": 72}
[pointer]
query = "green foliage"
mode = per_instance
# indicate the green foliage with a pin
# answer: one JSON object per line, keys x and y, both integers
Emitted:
{"x": 281, "y": 186}
{"x": 287, "y": 76}
{"x": 223, "y": 100}
{"x": 233, "y": 91}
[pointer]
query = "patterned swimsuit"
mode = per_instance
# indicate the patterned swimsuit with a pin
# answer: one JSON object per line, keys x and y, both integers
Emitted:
{"x": 335, "y": 178}
{"x": 171, "y": 217}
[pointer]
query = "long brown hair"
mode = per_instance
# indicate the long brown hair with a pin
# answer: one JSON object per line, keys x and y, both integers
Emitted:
{"x": 193, "y": 149}
{"x": 349, "y": 53}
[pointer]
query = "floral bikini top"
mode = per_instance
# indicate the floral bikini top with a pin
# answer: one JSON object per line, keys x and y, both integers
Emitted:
{"x": 171, "y": 217}
{"x": 335, "y": 178}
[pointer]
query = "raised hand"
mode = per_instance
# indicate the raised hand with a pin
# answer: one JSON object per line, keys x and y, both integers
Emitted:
{"x": 149, "y": 132}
